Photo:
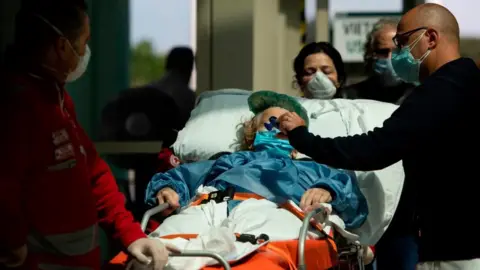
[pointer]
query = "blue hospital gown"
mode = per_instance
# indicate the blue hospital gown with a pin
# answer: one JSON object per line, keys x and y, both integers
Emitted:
{"x": 275, "y": 177}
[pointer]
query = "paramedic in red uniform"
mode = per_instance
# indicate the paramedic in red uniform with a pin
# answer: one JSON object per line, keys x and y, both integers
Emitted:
{"x": 55, "y": 190}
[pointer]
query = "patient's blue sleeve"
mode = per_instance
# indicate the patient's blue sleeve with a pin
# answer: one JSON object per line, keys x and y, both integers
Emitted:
{"x": 184, "y": 179}
{"x": 347, "y": 199}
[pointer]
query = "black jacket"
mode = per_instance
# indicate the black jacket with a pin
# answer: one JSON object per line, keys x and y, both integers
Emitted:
{"x": 433, "y": 132}
{"x": 373, "y": 88}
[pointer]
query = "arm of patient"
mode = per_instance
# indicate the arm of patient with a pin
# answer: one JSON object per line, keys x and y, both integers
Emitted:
{"x": 347, "y": 199}
{"x": 184, "y": 180}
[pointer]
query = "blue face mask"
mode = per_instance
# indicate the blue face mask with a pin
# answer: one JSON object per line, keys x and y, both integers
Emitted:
{"x": 383, "y": 67}
{"x": 267, "y": 140}
{"x": 405, "y": 65}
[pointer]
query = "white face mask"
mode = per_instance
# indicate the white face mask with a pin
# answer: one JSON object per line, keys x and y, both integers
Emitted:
{"x": 321, "y": 87}
{"x": 81, "y": 66}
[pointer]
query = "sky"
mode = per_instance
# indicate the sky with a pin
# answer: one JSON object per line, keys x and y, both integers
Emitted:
{"x": 167, "y": 22}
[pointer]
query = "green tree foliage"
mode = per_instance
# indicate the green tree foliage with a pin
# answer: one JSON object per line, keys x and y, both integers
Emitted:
{"x": 146, "y": 65}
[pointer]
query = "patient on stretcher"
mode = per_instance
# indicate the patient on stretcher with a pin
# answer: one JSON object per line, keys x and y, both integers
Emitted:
{"x": 251, "y": 188}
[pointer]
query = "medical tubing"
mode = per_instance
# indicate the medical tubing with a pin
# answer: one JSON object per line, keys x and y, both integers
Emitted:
{"x": 159, "y": 208}
{"x": 361, "y": 264}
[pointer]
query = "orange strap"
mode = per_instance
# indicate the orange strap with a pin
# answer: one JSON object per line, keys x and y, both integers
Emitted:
{"x": 238, "y": 196}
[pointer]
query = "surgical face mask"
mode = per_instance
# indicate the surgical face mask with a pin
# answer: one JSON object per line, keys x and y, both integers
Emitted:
{"x": 82, "y": 60}
{"x": 405, "y": 65}
{"x": 321, "y": 87}
{"x": 81, "y": 66}
{"x": 384, "y": 69}
{"x": 267, "y": 140}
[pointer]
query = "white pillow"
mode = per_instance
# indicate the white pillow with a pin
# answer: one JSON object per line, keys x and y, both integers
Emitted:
{"x": 213, "y": 125}
{"x": 215, "y": 122}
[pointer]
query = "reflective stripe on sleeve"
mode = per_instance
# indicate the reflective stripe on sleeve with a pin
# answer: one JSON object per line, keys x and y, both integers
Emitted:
{"x": 67, "y": 244}
{"x": 61, "y": 267}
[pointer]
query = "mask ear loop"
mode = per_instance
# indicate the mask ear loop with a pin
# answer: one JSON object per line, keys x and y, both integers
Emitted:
{"x": 61, "y": 97}
{"x": 415, "y": 42}
{"x": 58, "y": 32}
{"x": 424, "y": 56}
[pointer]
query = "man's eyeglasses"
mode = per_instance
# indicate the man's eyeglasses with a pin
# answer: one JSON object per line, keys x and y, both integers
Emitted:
{"x": 401, "y": 39}
{"x": 382, "y": 52}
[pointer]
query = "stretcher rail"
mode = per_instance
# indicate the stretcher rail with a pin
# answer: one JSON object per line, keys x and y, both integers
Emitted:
{"x": 303, "y": 237}
{"x": 159, "y": 208}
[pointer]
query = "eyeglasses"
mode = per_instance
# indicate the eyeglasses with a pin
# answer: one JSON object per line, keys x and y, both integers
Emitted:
{"x": 401, "y": 39}
{"x": 382, "y": 52}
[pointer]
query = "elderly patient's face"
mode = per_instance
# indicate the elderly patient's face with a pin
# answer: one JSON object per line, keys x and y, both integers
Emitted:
{"x": 265, "y": 116}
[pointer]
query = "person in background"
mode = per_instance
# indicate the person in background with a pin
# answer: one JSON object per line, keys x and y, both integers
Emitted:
{"x": 55, "y": 190}
{"x": 383, "y": 83}
{"x": 319, "y": 71}
{"x": 430, "y": 132}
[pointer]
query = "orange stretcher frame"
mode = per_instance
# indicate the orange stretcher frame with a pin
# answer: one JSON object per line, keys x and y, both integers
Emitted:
{"x": 276, "y": 255}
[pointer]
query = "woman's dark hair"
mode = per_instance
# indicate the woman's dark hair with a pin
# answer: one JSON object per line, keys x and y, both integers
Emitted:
{"x": 33, "y": 35}
{"x": 319, "y": 47}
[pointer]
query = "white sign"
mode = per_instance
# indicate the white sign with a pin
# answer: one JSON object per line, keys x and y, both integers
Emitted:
{"x": 350, "y": 35}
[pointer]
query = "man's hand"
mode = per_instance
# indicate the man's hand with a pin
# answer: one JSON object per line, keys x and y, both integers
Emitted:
{"x": 289, "y": 121}
{"x": 15, "y": 258}
{"x": 150, "y": 252}
{"x": 313, "y": 197}
{"x": 168, "y": 195}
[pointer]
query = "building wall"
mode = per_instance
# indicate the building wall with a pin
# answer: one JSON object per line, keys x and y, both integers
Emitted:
{"x": 247, "y": 44}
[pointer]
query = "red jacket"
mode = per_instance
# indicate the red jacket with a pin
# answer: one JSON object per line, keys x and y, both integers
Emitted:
{"x": 54, "y": 187}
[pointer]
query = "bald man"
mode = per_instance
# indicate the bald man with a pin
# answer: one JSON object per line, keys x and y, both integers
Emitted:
{"x": 432, "y": 132}
{"x": 382, "y": 84}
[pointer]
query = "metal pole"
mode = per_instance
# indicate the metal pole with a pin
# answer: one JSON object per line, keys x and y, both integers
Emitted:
{"x": 322, "y": 30}
{"x": 193, "y": 40}
{"x": 303, "y": 23}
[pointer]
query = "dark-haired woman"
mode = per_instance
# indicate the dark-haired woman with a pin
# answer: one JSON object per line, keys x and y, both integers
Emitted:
{"x": 319, "y": 71}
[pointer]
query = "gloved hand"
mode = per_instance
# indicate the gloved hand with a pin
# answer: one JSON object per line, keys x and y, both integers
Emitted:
{"x": 151, "y": 252}
{"x": 15, "y": 257}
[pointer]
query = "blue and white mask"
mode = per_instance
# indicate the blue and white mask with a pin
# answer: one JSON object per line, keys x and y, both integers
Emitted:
{"x": 267, "y": 140}
{"x": 384, "y": 69}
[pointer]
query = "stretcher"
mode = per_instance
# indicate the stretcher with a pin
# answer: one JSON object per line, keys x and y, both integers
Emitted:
{"x": 331, "y": 251}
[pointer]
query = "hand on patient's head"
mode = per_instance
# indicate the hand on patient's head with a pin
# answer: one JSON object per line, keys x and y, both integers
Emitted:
{"x": 168, "y": 195}
{"x": 289, "y": 121}
{"x": 312, "y": 198}
{"x": 257, "y": 123}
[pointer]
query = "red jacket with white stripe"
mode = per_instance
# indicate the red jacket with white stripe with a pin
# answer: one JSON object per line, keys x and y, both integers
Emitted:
{"x": 54, "y": 187}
